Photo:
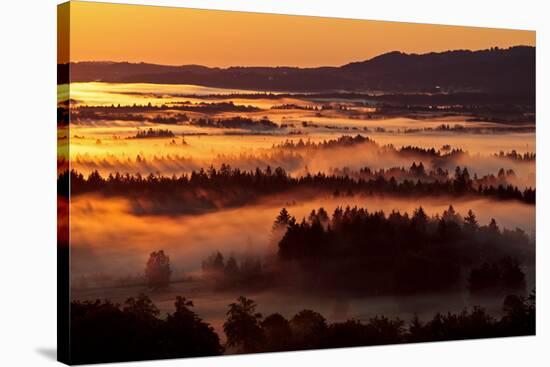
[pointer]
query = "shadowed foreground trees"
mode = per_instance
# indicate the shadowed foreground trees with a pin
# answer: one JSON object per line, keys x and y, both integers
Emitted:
{"x": 276, "y": 332}
{"x": 504, "y": 274}
{"x": 103, "y": 331}
{"x": 186, "y": 331}
{"x": 243, "y": 327}
{"x": 310, "y": 330}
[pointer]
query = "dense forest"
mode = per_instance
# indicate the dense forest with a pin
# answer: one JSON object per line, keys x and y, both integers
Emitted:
{"x": 354, "y": 250}
{"x": 103, "y": 331}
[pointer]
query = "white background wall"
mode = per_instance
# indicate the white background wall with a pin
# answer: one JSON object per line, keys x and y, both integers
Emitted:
{"x": 28, "y": 182}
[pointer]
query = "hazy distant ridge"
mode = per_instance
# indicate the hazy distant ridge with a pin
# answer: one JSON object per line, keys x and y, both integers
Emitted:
{"x": 509, "y": 70}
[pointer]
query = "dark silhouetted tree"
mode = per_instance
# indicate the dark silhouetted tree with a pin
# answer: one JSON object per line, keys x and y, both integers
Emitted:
{"x": 277, "y": 333}
{"x": 214, "y": 263}
{"x": 282, "y": 220}
{"x": 470, "y": 222}
{"x": 242, "y": 326}
{"x": 519, "y": 315}
{"x": 102, "y": 331}
{"x": 231, "y": 270}
{"x": 186, "y": 332}
{"x": 307, "y": 328}
{"x": 157, "y": 270}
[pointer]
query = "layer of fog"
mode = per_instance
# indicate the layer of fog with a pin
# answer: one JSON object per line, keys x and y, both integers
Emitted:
{"x": 212, "y": 306}
{"x": 108, "y": 240}
{"x": 107, "y": 237}
{"x": 100, "y": 93}
{"x": 176, "y": 156}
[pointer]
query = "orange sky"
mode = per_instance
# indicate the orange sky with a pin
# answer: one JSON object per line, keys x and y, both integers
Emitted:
{"x": 177, "y": 36}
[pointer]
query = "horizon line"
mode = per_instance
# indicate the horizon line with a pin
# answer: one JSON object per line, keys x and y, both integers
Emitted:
{"x": 302, "y": 67}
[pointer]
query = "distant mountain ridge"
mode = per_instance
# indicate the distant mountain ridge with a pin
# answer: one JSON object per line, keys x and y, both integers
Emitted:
{"x": 494, "y": 70}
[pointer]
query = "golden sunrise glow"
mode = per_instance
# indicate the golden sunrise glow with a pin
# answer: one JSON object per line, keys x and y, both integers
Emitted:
{"x": 329, "y": 196}
{"x": 176, "y": 36}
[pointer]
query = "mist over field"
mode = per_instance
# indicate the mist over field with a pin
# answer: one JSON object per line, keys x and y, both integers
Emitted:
{"x": 230, "y": 161}
{"x": 127, "y": 242}
{"x": 272, "y": 186}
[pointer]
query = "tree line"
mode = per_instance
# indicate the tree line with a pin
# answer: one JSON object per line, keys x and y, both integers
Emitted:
{"x": 352, "y": 141}
{"x": 445, "y": 152}
{"x": 515, "y": 156}
{"x": 112, "y": 112}
{"x": 236, "y": 122}
{"x": 103, "y": 331}
{"x": 464, "y": 129}
{"x": 263, "y": 182}
{"x": 419, "y": 172}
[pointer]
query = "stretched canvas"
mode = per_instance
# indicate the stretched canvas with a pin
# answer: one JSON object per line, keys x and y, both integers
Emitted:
{"x": 235, "y": 182}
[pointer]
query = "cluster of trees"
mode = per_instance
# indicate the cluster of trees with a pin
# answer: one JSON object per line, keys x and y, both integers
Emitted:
{"x": 157, "y": 276}
{"x": 236, "y": 122}
{"x": 515, "y": 156}
{"x": 324, "y": 107}
{"x": 215, "y": 107}
{"x": 342, "y": 141}
{"x": 154, "y": 133}
{"x": 173, "y": 119}
{"x": 428, "y": 152}
{"x": 351, "y": 141}
{"x": 356, "y": 250}
{"x": 229, "y": 273}
{"x": 446, "y": 152}
{"x": 503, "y": 275}
{"x": 458, "y": 128}
{"x": 269, "y": 181}
{"x": 102, "y": 331}
{"x": 157, "y": 270}
{"x": 293, "y": 106}
{"x": 419, "y": 172}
